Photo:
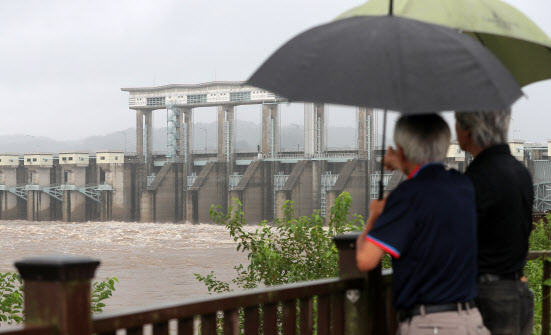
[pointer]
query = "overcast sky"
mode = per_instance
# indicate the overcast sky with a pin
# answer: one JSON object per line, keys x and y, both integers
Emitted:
{"x": 63, "y": 62}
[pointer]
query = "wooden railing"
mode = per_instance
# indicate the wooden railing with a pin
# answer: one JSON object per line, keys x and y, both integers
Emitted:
{"x": 30, "y": 330}
{"x": 259, "y": 309}
{"x": 57, "y": 301}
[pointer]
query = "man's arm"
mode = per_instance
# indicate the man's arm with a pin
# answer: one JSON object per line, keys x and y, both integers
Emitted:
{"x": 368, "y": 255}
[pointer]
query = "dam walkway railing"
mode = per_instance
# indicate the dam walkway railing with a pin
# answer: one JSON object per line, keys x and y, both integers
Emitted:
{"x": 57, "y": 301}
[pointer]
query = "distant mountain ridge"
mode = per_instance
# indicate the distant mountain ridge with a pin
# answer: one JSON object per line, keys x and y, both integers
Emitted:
{"x": 247, "y": 137}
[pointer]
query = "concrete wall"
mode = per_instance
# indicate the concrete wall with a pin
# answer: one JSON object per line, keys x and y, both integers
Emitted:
{"x": 122, "y": 203}
{"x": 303, "y": 187}
{"x": 11, "y": 160}
{"x": 73, "y": 208}
{"x": 38, "y": 206}
{"x": 110, "y": 157}
{"x": 11, "y": 206}
{"x": 353, "y": 178}
{"x": 106, "y": 206}
{"x": 210, "y": 188}
{"x": 167, "y": 200}
{"x": 42, "y": 160}
{"x": 517, "y": 149}
{"x": 41, "y": 206}
{"x": 161, "y": 202}
{"x": 8, "y": 201}
{"x": 74, "y": 158}
{"x": 187, "y": 169}
{"x": 256, "y": 191}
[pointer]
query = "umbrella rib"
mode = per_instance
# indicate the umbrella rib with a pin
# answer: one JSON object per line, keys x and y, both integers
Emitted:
{"x": 381, "y": 188}
{"x": 479, "y": 39}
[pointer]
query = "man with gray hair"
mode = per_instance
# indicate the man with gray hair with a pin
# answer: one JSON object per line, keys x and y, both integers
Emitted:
{"x": 504, "y": 198}
{"x": 428, "y": 225}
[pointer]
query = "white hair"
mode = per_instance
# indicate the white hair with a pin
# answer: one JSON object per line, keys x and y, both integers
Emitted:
{"x": 487, "y": 128}
{"x": 424, "y": 138}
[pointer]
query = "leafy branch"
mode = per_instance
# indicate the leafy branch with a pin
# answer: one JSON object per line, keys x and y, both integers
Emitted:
{"x": 11, "y": 296}
{"x": 289, "y": 250}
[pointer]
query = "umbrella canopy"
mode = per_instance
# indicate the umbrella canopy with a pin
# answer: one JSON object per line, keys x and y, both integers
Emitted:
{"x": 517, "y": 41}
{"x": 391, "y": 63}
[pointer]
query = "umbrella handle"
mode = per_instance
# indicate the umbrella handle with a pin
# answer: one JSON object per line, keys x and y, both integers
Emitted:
{"x": 381, "y": 188}
{"x": 391, "y": 8}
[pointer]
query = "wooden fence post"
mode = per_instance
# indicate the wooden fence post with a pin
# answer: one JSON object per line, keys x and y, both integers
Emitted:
{"x": 366, "y": 312}
{"x": 57, "y": 292}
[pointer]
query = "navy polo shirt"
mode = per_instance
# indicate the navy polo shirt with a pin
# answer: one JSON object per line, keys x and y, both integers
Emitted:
{"x": 428, "y": 226}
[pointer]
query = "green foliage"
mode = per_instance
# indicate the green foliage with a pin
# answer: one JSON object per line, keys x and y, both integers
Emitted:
{"x": 540, "y": 239}
{"x": 11, "y": 298}
{"x": 291, "y": 249}
{"x": 102, "y": 290}
{"x": 214, "y": 285}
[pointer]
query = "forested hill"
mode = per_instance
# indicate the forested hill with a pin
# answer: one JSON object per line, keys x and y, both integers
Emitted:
{"x": 247, "y": 137}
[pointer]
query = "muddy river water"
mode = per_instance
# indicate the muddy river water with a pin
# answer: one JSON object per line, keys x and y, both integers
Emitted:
{"x": 154, "y": 262}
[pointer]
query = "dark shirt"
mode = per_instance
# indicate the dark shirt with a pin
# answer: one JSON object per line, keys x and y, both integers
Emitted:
{"x": 428, "y": 225}
{"x": 504, "y": 198}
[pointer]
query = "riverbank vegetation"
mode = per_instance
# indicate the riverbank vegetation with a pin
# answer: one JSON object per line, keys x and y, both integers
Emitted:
{"x": 540, "y": 239}
{"x": 292, "y": 249}
{"x": 11, "y": 296}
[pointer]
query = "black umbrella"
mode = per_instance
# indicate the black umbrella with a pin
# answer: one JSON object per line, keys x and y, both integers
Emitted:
{"x": 390, "y": 63}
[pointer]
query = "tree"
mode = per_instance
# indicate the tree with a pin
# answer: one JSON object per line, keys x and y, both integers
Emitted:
{"x": 291, "y": 249}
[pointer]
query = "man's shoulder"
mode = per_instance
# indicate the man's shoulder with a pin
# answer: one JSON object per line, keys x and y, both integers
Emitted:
{"x": 444, "y": 175}
{"x": 496, "y": 165}
{"x": 441, "y": 178}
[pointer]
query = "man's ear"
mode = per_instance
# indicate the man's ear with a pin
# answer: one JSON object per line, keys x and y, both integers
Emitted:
{"x": 470, "y": 138}
{"x": 401, "y": 153}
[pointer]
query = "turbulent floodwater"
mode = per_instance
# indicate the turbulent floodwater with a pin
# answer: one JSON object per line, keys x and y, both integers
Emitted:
{"x": 154, "y": 262}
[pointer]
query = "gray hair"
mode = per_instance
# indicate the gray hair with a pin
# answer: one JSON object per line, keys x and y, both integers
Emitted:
{"x": 424, "y": 138}
{"x": 487, "y": 128}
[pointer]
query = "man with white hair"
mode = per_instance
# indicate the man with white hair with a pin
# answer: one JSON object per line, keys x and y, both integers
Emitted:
{"x": 428, "y": 225}
{"x": 504, "y": 198}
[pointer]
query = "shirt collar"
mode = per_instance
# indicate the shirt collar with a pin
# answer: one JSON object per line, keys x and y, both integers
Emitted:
{"x": 420, "y": 167}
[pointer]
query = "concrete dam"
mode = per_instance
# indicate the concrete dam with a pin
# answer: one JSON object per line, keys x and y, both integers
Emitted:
{"x": 179, "y": 185}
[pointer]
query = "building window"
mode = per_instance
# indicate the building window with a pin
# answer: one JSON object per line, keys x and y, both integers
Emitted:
{"x": 196, "y": 98}
{"x": 28, "y": 159}
{"x": 70, "y": 158}
{"x": 102, "y": 158}
{"x": 240, "y": 96}
{"x": 155, "y": 101}
{"x": 64, "y": 158}
{"x": 34, "y": 159}
{"x": 116, "y": 158}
